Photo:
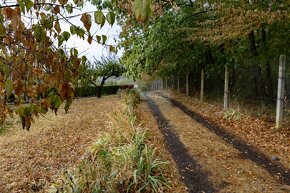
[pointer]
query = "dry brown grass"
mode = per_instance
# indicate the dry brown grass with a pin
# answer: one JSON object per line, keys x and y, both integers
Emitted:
{"x": 30, "y": 160}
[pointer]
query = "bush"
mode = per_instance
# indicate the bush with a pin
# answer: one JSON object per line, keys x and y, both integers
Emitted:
{"x": 90, "y": 91}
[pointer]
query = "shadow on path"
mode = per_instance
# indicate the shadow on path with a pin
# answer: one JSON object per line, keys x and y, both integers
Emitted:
{"x": 195, "y": 179}
{"x": 246, "y": 150}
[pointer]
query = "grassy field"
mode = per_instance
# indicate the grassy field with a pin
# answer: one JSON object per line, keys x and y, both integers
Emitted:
{"x": 29, "y": 160}
{"x": 58, "y": 146}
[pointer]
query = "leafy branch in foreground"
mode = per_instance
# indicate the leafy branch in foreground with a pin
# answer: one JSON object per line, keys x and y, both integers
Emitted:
{"x": 33, "y": 59}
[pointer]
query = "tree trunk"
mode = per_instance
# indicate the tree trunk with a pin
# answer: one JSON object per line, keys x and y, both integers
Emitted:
{"x": 166, "y": 83}
{"x": 226, "y": 88}
{"x": 186, "y": 84}
{"x": 178, "y": 84}
{"x": 99, "y": 88}
{"x": 202, "y": 84}
{"x": 269, "y": 80}
{"x": 260, "y": 88}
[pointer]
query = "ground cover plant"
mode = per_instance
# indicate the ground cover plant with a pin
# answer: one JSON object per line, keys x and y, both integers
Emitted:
{"x": 121, "y": 160}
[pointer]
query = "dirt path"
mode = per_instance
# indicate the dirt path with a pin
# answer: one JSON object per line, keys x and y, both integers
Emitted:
{"x": 30, "y": 160}
{"x": 191, "y": 172}
{"x": 229, "y": 169}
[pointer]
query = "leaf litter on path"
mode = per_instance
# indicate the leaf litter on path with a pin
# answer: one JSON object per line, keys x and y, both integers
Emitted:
{"x": 229, "y": 171}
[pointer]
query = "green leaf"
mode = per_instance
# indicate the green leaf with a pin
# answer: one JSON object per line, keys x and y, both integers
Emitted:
{"x": 104, "y": 37}
{"x": 56, "y": 101}
{"x": 66, "y": 35}
{"x": 74, "y": 52}
{"x": 78, "y": 2}
{"x": 146, "y": 10}
{"x": 28, "y": 4}
{"x": 22, "y": 6}
{"x": 84, "y": 59}
{"x": 62, "y": 2}
{"x": 39, "y": 32}
{"x": 99, "y": 18}
{"x": 67, "y": 75}
{"x": 99, "y": 38}
{"x": 8, "y": 87}
{"x": 2, "y": 30}
{"x": 60, "y": 39}
{"x": 72, "y": 30}
{"x": 111, "y": 18}
{"x": 137, "y": 9}
{"x": 80, "y": 33}
{"x": 69, "y": 8}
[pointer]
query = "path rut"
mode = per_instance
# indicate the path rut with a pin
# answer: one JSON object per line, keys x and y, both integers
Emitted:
{"x": 218, "y": 159}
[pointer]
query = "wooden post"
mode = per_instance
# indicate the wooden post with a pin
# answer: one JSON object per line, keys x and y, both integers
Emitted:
{"x": 281, "y": 91}
{"x": 187, "y": 84}
{"x": 178, "y": 82}
{"x": 202, "y": 84}
{"x": 226, "y": 88}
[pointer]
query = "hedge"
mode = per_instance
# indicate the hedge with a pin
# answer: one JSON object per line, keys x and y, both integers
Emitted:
{"x": 90, "y": 91}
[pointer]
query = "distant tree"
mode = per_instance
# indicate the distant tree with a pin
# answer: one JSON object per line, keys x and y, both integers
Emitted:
{"x": 105, "y": 68}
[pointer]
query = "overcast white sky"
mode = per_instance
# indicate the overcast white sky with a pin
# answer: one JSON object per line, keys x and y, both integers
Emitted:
{"x": 94, "y": 49}
{"x": 89, "y": 50}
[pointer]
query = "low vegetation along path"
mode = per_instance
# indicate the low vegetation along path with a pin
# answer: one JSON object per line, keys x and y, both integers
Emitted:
{"x": 210, "y": 159}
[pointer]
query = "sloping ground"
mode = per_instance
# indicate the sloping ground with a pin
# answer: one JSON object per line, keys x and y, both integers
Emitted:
{"x": 30, "y": 160}
{"x": 228, "y": 169}
{"x": 259, "y": 132}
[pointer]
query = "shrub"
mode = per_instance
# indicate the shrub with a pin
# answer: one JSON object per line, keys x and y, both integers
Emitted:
{"x": 90, "y": 91}
{"x": 121, "y": 160}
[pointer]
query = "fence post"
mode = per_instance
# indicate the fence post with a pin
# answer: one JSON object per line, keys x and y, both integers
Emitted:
{"x": 226, "y": 88}
{"x": 281, "y": 91}
{"x": 202, "y": 84}
{"x": 186, "y": 84}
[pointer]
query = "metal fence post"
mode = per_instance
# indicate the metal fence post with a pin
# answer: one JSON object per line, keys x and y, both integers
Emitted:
{"x": 281, "y": 91}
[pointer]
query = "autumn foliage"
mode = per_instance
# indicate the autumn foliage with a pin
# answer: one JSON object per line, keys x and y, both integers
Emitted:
{"x": 39, "y": 73}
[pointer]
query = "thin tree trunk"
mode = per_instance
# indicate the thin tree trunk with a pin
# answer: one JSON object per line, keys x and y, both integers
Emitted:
{"x": 226, "y": 88}
{"x": 258, "y": 72}
{"x": 187, "y": 84}
{"x": 202, "y": 84}
{"x": 99, "y": 88}
{"x": 166, "y": 83}
{"x": 269, "y": 80}
{"x": 178, "y": 84}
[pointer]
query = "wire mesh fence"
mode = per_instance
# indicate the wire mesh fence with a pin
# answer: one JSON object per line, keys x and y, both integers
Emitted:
{"x": 252, "y": 87}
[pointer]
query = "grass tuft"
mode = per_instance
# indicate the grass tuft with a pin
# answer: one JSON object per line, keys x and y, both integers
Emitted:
{"x": 121, "y": 160}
